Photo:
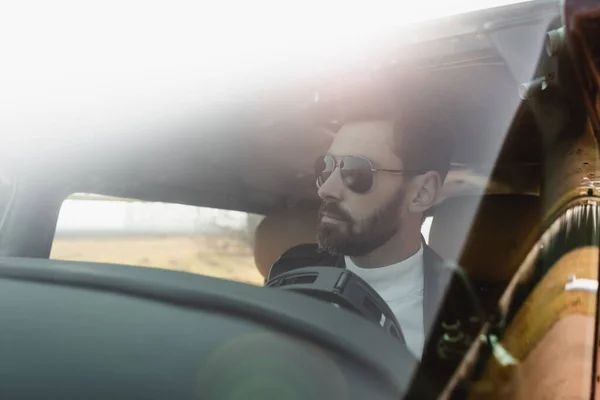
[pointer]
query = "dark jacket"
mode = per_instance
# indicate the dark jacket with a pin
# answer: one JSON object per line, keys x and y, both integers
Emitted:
{"x": 436, "y": 275}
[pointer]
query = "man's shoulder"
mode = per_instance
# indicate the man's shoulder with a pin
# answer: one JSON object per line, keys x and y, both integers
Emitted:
{"x": 302, "y": 255}
{"x": 435, "y": 261}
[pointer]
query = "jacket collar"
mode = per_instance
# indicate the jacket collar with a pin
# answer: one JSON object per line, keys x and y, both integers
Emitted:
{"x": 436, "y": 279}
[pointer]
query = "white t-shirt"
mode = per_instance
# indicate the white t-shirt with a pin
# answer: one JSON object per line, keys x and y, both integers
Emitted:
{"x": 401, "y": 286}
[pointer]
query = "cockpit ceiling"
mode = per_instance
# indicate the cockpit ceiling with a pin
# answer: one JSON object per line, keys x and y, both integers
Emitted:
{"x": 260, "y": 152}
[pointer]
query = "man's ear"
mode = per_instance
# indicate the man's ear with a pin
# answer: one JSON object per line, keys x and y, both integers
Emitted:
{"x": 426, "y": 189}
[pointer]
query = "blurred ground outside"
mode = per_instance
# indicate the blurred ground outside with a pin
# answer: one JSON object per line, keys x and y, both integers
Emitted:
{"x": 170, "y": 236}
{"x": 222, "y": 257}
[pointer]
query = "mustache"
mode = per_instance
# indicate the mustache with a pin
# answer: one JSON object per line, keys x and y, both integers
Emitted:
{"x": 335, "y": 211}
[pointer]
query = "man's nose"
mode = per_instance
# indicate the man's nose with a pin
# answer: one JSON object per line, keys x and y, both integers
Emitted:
{"x": 333, "y": 188}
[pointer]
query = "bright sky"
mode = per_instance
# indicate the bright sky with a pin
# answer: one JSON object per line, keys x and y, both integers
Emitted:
{"x": 71, "y": 65}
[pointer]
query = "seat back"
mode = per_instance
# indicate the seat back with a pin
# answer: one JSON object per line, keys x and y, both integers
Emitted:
{"x": 281, "y": 231}
{"x": 487, "y": 235}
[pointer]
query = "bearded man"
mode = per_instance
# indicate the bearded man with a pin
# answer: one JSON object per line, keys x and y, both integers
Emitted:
{"x": 383, "y": 171}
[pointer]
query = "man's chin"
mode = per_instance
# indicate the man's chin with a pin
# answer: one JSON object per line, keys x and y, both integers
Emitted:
{"x": 328, "y": 248}
{"x": 335, "y": 242}
{"x": 338, "y": 248}
{"x": 328, "y": 236}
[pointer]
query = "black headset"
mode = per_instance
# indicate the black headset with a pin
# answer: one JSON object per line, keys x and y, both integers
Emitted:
{"x": 341, "y": 288}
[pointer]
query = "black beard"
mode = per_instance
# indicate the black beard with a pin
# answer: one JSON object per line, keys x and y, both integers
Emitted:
{"x": 376, "y": 230}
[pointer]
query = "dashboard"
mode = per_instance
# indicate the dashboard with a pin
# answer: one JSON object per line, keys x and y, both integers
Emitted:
{"x": 97, "y": 331}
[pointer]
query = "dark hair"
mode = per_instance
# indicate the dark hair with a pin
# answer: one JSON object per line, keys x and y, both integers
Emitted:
{"x": 422, "y": 130}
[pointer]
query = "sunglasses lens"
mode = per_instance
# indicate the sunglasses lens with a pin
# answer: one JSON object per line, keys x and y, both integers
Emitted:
{"x": 323, "y": 169}
{"x": 357, "y": 174}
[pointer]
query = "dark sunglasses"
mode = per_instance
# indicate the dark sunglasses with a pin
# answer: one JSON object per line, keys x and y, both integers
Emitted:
{"x": 357, "y": 172}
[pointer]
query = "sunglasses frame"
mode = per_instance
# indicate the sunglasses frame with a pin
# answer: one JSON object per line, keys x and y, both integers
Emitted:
{"x": 372, "y": 169}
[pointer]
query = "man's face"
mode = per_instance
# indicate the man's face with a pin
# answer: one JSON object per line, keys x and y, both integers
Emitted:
{"x": 356, "y": 224}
